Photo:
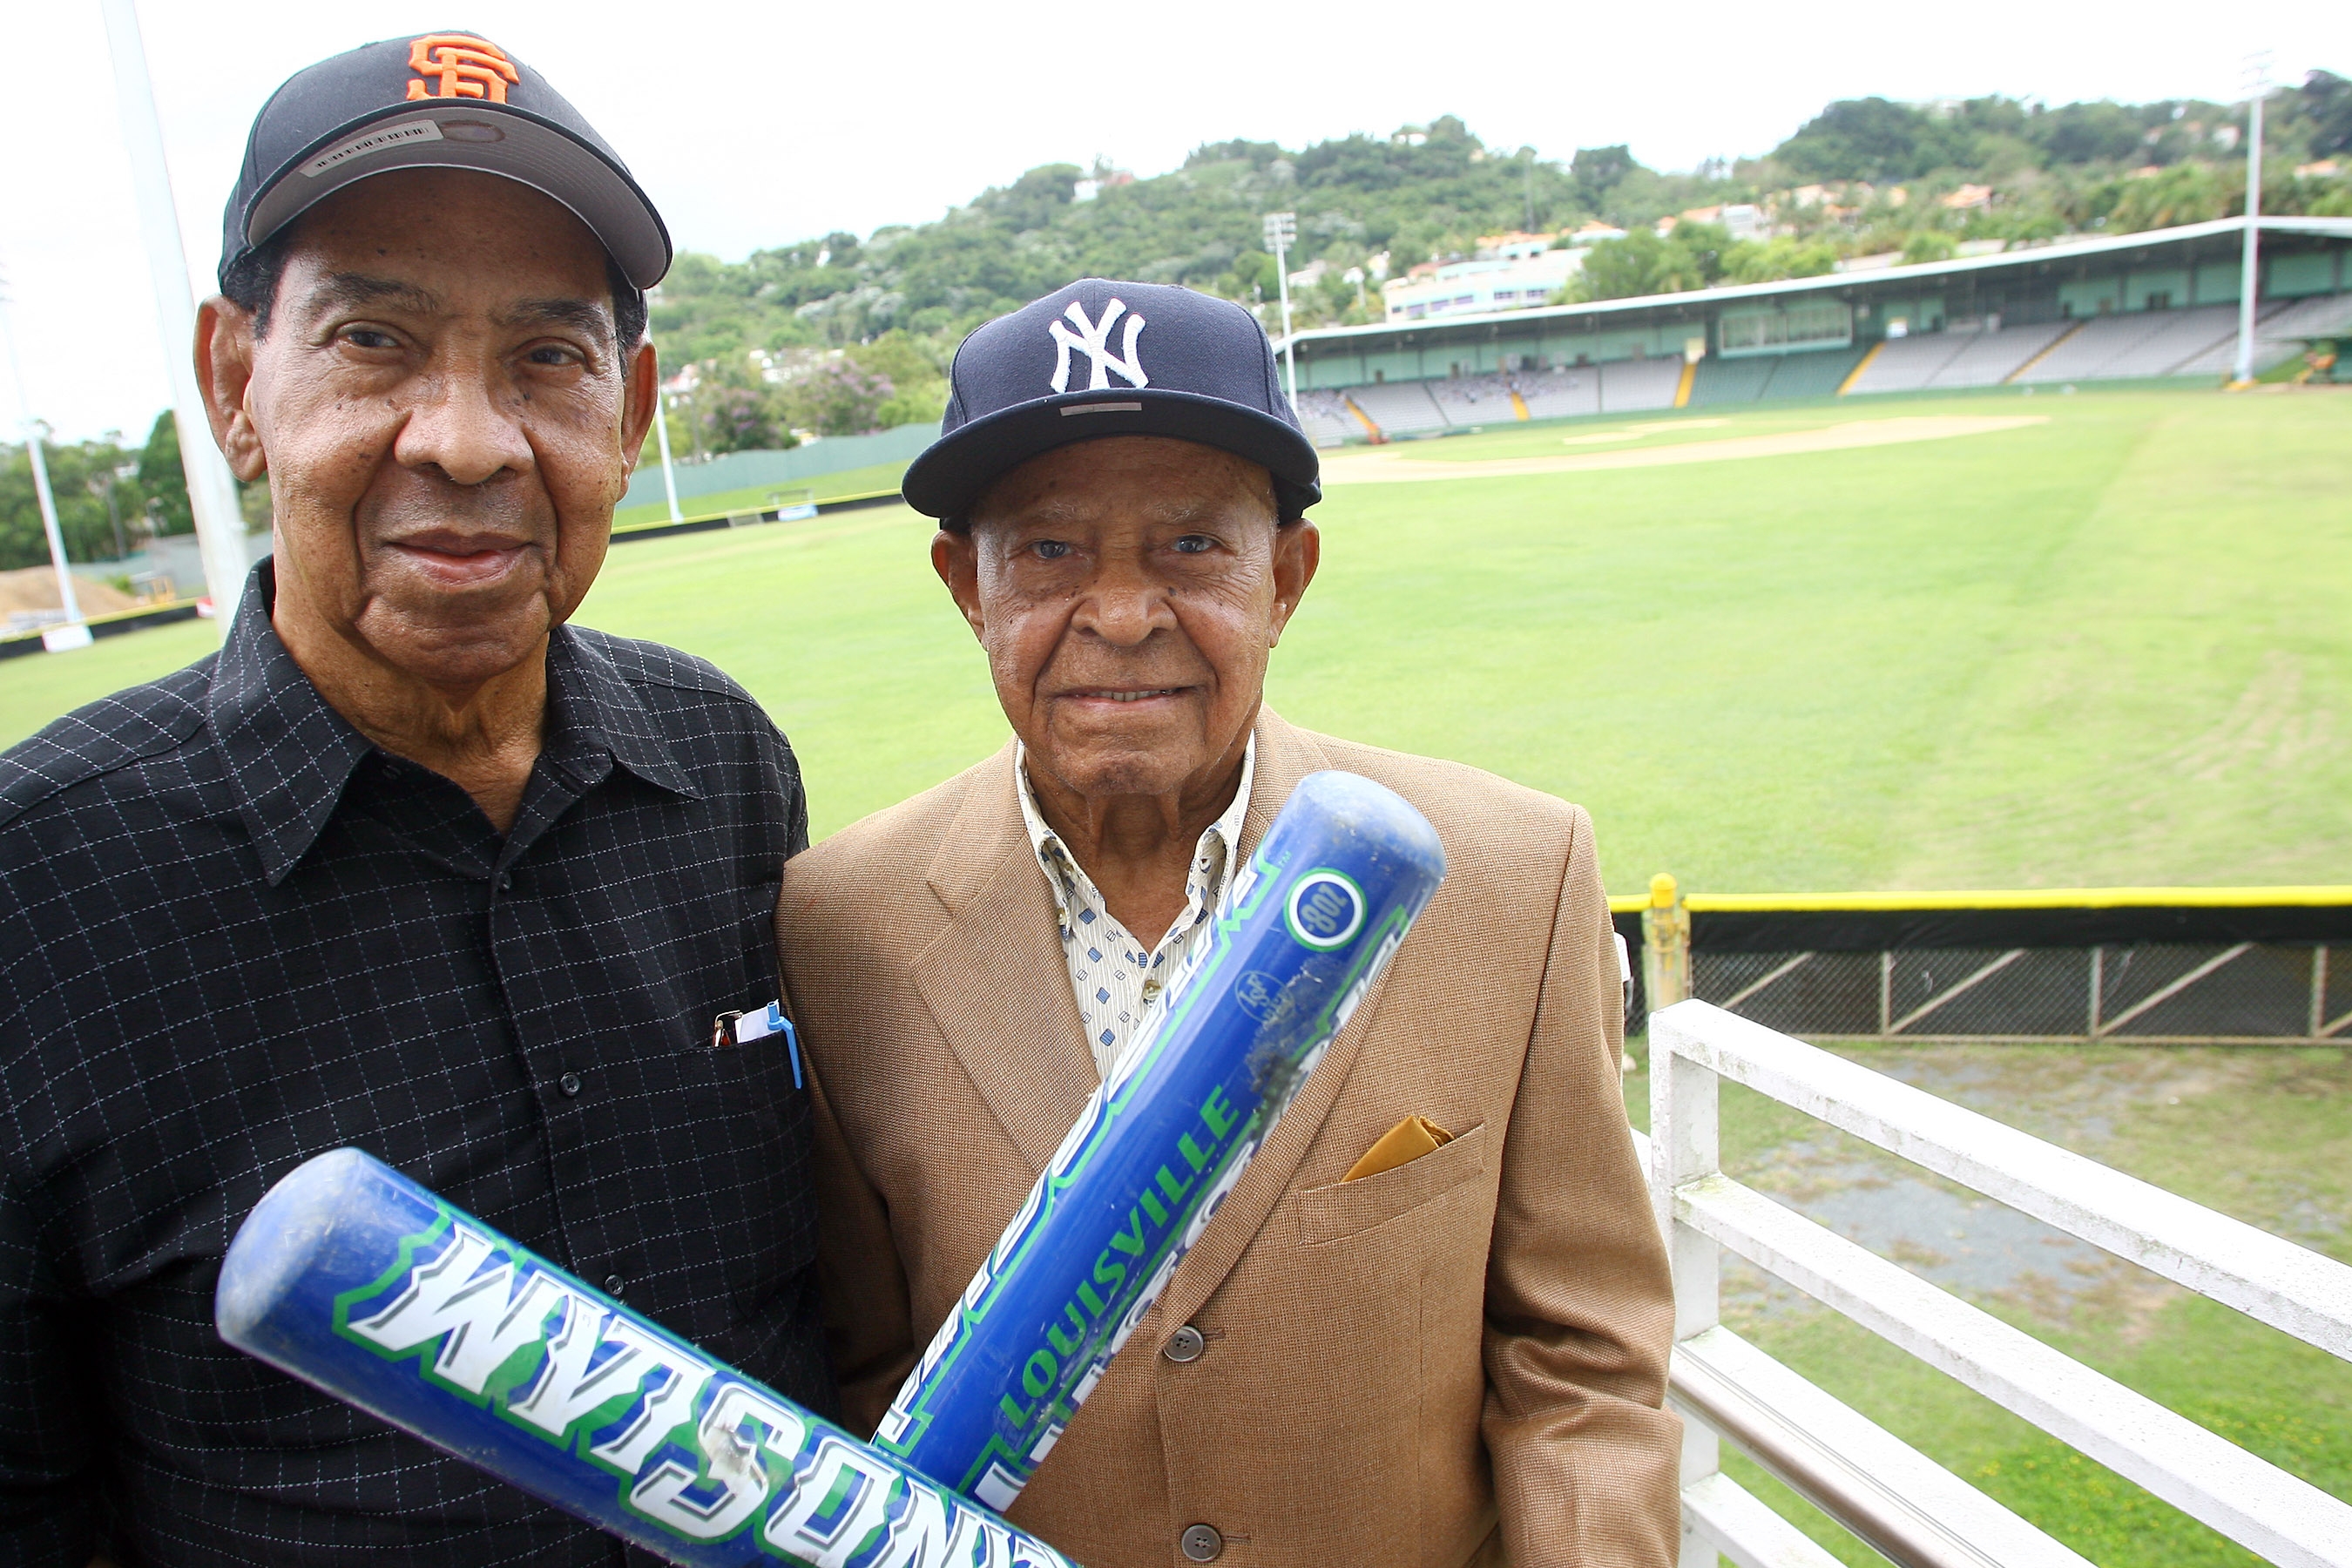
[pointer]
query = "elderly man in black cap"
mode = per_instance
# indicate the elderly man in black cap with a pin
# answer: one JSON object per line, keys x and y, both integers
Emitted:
{"x": 411, "y": 865}
{"x": 1431, "y": 1323}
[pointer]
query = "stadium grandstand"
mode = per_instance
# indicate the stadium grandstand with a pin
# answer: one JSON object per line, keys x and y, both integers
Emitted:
{"x": 2162, "y": 303}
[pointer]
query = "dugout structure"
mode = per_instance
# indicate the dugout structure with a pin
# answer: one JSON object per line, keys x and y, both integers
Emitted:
{"x": 2126, "y": 966}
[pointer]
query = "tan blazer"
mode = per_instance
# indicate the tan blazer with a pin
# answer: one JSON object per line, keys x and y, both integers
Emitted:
{"x": 1392, "y": 1363}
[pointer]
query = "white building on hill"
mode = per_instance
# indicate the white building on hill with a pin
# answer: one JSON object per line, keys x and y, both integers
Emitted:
{"x": 1471, "y": 287}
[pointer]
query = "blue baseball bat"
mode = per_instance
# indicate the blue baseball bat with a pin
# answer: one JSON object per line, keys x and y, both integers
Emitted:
{"x": 1311, "y": 922}
{"x": 357, "y": 1280}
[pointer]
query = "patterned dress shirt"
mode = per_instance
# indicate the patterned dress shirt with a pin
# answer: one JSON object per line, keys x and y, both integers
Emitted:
{"x": 235, "y": 934}
{"x": 1118, "y": 980}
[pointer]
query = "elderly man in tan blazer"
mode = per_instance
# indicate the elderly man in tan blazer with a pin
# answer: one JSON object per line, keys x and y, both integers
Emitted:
{"x": 1431, "y": 1324}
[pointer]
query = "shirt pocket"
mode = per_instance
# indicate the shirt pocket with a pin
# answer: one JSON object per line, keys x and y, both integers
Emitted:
{"x": 1343, "y": 1209}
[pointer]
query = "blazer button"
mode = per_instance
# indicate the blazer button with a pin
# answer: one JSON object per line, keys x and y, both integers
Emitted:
{"x": 1201, "y": 1543}
{"x": 614, "y": 1285}
{"x": 1186, "y": 1344}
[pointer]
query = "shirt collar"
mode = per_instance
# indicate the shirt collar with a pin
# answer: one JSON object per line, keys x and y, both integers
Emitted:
{"x": 290, "y": 756}
{"x": 1221, "y": 840}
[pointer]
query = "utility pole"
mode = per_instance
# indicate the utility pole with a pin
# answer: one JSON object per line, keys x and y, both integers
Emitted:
{"x": 1281, "y": 228}
{"x": 212, "y": 490}
{"x": 661, "y": 433}
{"x": 34, "y": 432}
{"x": 2258, "y": 86}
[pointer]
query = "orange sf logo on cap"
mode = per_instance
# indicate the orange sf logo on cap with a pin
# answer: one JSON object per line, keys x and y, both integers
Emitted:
{"x": 457, "y": 65}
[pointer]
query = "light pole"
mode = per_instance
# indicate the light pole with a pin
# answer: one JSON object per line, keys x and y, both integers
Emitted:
{"x": 661, "y": 433}
{"x": 34, "y": 432}
{"x": 212, "y": 491}
{"x": 1281, "y": 228}
{"x": 2258, "y": 86}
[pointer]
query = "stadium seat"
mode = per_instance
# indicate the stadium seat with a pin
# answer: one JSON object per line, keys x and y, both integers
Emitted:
{"x": 2280, "y": 332}
{"x": 1399, "y": 407}
{"x": 2139, "y": 343}
{"x": 1630, "y": 384}
{"x": 1566, "y": 393}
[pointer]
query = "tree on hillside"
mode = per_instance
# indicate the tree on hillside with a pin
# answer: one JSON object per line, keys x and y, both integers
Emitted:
{"x": 1598, "y": 170}
{"x": 840, "y": 398}
{"x": 163, "y": 481}
{"x": 2089, "y": 133}
{"x": 1785, "y": 255}
{"x": 1642, "y": 263}
{"x": 1871, "y": 138}
{"x": 82, "y": 516}
{"x": 732, "y": 406}
{"x": 2325, "y": 102}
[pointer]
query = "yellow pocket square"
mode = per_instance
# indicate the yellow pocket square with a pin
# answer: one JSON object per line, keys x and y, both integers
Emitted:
{"x": 1408, "y": 1141}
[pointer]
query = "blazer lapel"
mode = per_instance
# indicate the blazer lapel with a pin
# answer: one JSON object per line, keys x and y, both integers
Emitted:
{"x": 995, "y": 979}
{"x": 1284, "y": 755}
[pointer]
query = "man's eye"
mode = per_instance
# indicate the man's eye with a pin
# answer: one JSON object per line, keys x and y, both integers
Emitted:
{"x": 553, "y": 354}
{"x": 369, "y": 338}
{"x": 1049, "y": 549}
{"x": 1195, "y": 544}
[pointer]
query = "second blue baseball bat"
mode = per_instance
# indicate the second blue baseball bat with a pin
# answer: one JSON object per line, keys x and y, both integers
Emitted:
{"x": 1311, "y": 920}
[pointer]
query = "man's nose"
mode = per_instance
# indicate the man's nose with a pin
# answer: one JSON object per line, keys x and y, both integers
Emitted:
{"x": 460, "y": 424}
{"x": 1123, "y": 606}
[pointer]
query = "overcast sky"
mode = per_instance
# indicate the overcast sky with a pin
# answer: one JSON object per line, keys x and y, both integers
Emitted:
{"x": 755, "y": 124}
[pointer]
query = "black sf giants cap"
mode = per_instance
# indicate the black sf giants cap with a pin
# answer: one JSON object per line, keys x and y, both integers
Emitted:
{"x": 1100, "y": 358}
{"x": 447, "y": 100}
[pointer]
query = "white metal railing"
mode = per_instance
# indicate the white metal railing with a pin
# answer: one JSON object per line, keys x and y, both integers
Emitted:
{"x": 1896, "y": 1499}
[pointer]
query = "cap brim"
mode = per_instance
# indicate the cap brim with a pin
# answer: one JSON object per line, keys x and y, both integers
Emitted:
{"x": 528, "y": 149}
{"x": 956, "y": 470}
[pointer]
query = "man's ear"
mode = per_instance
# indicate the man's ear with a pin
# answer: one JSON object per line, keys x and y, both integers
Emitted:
{"x": 641, "y": 398}
{"x": 224, "y": 344}
{"x": 956, "y": 558}
{"x": 1298, "y": 550}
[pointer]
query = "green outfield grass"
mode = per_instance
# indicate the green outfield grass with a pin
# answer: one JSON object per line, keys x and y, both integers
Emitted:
{"x": 2110, "y": 649}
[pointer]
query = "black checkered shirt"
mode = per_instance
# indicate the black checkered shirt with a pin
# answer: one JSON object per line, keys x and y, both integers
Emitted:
{"x": 235, "y": 934}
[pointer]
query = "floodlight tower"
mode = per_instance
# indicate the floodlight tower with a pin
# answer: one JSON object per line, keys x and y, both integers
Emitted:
{"x": 1281, "y": 230}
{"x": 35, "y": 432}
{"x": 661, "y": 429}
{"x": 2258, "y": 86}
{"x": 212, "y": 490}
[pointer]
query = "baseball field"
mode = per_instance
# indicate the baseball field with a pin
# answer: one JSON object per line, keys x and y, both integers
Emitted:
{"x": 1988, "y": 641}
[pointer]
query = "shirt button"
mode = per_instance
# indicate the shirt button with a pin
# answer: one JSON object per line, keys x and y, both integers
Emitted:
{"x": 1201, "y": 1543}
{"x": 1185, "y": 1344}
{"x": 1150, "y": 989}
{"x": 569, "y": 1083}
{"x": 612, "y": 1285}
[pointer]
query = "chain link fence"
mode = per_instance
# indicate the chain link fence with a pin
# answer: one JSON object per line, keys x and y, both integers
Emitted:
{"x": 2235, "y": 969}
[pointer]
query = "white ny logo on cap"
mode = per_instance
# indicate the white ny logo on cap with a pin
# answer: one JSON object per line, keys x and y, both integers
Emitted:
{"x": 1094, "y": 338}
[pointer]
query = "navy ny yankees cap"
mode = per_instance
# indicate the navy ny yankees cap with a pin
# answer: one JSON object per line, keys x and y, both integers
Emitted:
{"x": 1100, "y": 358}
{"x": 447, "y": 100}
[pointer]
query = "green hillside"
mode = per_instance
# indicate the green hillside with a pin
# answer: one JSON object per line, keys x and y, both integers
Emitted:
{"x": 1427, "y": 193}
